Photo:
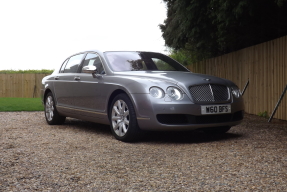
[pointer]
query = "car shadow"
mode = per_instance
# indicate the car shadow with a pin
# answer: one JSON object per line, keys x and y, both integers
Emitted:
{"x": 79, "y": 125}
{"x": 151, "y": 136}
{"x": 187, "y": 137}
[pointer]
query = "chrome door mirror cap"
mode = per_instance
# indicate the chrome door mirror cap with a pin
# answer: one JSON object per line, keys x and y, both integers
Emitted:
{"x": 90, "y": 69}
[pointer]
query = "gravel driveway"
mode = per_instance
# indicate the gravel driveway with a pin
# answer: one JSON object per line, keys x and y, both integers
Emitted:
{"x": 83, "y": 156}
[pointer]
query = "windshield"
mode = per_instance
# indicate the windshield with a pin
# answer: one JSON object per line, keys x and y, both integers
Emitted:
{"x": 142, "y": 61}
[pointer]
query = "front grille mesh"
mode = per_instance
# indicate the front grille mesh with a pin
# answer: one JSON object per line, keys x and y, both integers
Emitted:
{"x": 209, "y": 93}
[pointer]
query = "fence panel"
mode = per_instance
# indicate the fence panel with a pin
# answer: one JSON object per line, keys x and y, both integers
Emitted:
{"x": 265, "y": 65}
{"x": 20, "y": 85}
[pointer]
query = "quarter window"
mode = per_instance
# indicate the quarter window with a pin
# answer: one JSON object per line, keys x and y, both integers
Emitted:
{"x": 73, "y": 63}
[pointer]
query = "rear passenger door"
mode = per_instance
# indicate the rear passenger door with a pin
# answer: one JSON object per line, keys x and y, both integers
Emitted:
{"x": 64, "y": 84}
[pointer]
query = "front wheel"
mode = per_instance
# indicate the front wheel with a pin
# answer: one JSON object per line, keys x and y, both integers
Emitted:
{"x": 51, "y": 114}
{"x": 123, "y": 119}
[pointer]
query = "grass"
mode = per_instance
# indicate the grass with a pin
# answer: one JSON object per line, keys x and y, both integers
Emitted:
{"x": 20, "y": 104}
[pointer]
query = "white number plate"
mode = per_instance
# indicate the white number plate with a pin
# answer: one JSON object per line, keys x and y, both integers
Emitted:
{"x": 215, "y": 109}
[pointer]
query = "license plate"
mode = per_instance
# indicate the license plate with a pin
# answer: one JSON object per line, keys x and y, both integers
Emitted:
{"x": 215, "y": 109}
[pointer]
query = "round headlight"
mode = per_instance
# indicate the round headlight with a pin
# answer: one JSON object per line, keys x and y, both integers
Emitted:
{"x": 236, "y": 92}
{"x": 156, "y": 92}
{"x": 174, "y": 93}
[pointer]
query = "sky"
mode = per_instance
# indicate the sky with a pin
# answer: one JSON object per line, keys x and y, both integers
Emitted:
{"x": 41, "y": 34}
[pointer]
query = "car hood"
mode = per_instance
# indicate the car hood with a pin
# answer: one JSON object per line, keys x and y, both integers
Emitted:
{"x": 182, "y": 79}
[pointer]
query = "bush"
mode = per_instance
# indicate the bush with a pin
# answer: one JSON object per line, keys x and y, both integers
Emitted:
{"x": 263, "y": 114}
{"x": 42, "y": 71}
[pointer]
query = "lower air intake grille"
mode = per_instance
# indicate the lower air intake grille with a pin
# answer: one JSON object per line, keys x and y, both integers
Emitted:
{"x": 185, "y": 119}
{"x": 209, "y": 93}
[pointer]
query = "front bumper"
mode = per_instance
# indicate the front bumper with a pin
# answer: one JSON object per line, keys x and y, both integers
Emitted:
{"x": 164, "y": 114}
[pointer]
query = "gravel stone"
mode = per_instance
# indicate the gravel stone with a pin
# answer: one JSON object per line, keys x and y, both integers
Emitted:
{"x": 84, "y": 156}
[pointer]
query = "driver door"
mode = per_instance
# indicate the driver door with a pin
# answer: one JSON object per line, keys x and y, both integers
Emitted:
{"x": 90, "y": 90}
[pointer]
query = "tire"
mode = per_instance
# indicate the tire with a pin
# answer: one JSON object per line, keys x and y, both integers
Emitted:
{"x": 216, "y": 130}
{"x": 123, "y": 120}
{"x": 51, "y": 114}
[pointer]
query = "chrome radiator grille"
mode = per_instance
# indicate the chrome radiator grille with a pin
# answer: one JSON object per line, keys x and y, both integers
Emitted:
{"x": 209, "y": 93}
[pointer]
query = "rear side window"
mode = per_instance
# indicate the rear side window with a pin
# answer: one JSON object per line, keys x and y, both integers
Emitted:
{"x": 73, "y": 64}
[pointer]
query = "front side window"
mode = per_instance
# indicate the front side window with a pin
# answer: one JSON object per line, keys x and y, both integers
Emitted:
{"x": 73, "y": 63}
{"x": 93, "y": 59}
{"x": 142, "y": 61}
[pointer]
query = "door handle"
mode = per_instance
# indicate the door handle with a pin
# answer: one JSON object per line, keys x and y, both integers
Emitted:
{"x": 77, "y": 78}
{"x": 56, "y": 78}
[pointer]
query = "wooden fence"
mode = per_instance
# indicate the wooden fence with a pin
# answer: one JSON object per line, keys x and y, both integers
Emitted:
{"x": 20, "y": 85}
{"x": 265, "y": 65}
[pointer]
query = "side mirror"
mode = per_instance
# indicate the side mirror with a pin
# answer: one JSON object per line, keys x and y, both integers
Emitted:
{"x": 92, "y": 70}
{"x": 89, "y": 69}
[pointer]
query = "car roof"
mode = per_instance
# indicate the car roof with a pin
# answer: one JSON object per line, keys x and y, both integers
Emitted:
{"x": 102, "y": 51}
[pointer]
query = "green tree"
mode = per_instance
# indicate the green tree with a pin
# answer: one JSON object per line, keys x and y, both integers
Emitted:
{"x": 183, "y": 56}
{"x": 208, "y": 28}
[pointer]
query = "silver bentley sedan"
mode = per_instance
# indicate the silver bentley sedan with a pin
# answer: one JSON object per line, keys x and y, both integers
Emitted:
{"x": 134, "y": 91}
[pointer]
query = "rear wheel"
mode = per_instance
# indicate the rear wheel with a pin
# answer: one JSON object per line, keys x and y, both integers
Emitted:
{"x": 216, "y": 130}
{"x": 123, "y": 119}
{"x": 51, "y": 114}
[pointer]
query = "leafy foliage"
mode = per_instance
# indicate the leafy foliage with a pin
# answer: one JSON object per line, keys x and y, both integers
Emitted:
{"x": 263, "y": 114}
{"x": 183, "y": 56}
{"x": 209, "y": 28}
{"x": 43, "y": 71}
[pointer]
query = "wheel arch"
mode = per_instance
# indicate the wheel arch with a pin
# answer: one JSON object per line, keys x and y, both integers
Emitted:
{"x": 113, "y": 95}
{"x": 45, "y": 93}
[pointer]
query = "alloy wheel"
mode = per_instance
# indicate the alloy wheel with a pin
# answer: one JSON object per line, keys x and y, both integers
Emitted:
{"x": 49, "y": 108}
{"x": 120, "y": 118}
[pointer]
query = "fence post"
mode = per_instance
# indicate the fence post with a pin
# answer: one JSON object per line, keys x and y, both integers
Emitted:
{"x": 245, "y": 87}
{"x": 275, "y": 109}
